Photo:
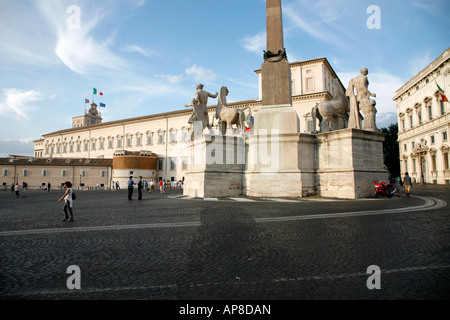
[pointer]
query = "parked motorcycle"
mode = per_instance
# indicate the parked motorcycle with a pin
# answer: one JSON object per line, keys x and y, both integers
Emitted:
{"x": 384, "y": 190}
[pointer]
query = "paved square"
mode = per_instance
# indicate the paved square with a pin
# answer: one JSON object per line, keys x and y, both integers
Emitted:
{"x": 172, "y": 247}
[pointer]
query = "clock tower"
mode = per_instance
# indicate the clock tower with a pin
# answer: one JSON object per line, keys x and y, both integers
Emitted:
{"x": 89, "y": 118}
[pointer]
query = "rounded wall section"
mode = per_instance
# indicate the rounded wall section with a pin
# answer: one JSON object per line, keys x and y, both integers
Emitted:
{"x": 125, "y": 166}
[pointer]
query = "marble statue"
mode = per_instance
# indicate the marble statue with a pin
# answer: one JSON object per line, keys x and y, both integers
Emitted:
{"x": 360, "y": 84}
{"x": 367, "y": 106}
{"x": 200, "y": 110}
{"x": 330, "y": 111}
{"x": 228, "y": 116}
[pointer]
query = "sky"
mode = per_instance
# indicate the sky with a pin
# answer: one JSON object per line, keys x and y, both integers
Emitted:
{"x": 147, "y": 56}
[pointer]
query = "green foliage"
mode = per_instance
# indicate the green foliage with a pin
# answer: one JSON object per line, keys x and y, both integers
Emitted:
{"x": 391, "y": 152}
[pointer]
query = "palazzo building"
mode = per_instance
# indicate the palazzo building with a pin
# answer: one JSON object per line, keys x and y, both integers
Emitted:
{"x": 164, "y": 136}
{"x": 424, "y": 123}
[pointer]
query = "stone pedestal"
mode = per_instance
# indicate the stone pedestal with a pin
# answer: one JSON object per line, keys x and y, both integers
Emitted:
{"x": 215, "y": 166}
{"x": 346, "y": 163}
{"x": 274, "y": 155}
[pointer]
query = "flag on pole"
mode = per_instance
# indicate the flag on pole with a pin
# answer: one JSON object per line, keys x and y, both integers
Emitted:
{"x": 442, "y": 93}
{"x": 96, "y": 91}
{"x": 102, "y": 105}
{"x": 247, "y": 128}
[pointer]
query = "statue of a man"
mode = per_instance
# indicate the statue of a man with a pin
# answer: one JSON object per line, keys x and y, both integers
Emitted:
{"x": 361, "y": 84}
{"x": 199, "y": 103}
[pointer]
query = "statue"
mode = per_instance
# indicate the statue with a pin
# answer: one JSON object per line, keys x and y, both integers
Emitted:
{"x": 361, "y": 84}
{"x": 368, "y": 108}
{"x": 329, "y": 111}
{"x": 200, "y": 111}
{"x": 228, "y": 116}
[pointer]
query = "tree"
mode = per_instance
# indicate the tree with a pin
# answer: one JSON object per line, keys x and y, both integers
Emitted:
{"x": 391, "y": 152}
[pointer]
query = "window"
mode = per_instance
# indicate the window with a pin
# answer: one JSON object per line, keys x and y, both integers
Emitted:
{"x": 139, "y": 140}
{"x": 102, "y": 144}
{"x": 442, "y": 108}
{"x": 85, "y": 148}
{"x": 65, "y": 149}
{"x": 405, "y": 147}
{"x": 432, "y": 139}
{"x": 173, "y": 136}
{"x": 446, "y": 165}
{"x": 63, "y": 173}
{"x": 173, "y": 163}
{"x": 129, "y": 141}
{"x": 414, "y": 165}
{"x": 93, "y": 145}
{"x": 433, "y": 162}
{"x": 44, "y": 173}
{"x": 119, "y": 143}
{"x": 309, "y": 84}
{"x": 83, "y": 173}
{"x": 25, "y": 172}
{"x": 110, "y": 144}
{"x": 149, "y": 139}
{"x": 102, "y": 173}
{"x": 78, "y": 147}
{"x": 419, "y": 114}
{"x": 71, "y": 148}
{"x": 444, "y": 135}
{"x": 411, "y": 123}
{"x": 403, "y": 125}
{"x": 430, "y": 113}
{"x": 184, "y": 164}
{"x": 160, "y": 164}
{"x": 161, "y": 138}
{"x": 5, "y": 172}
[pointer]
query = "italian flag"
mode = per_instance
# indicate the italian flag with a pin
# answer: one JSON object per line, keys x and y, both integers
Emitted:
{"x": 442, "y": 93}
{"x": 96, "y": 91}
{"x": 247, "y": 127}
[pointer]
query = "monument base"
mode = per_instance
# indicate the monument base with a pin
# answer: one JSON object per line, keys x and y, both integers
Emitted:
{"x": 215, "y": 166}
{"x": 347, "y": 162}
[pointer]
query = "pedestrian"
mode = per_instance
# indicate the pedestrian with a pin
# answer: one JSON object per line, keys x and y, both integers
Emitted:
{"x": 24, "y": 189}
{"x": 113, "y": 186}
{"x": 12, "y": 187}
{"x": 398, "y": 186}
{"x": 407, "y": 183}
{"x": 48, "y": 186}
{"x": 140, "y": 187}
{"x": 117, "y": 185}
{"x": 68, "y": 202}
{"x": 160, "y": 186}
{"x": 164, "y": 186}
{"x": 17, "y": 189}
{"x": 130, "y": 188}
{"x": 152, "y": 186}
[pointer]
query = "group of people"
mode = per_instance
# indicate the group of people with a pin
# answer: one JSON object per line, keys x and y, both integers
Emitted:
{"x": 16, "y": 189}
{"x": 406, "y": 182}
{"x": 164, "y": 186}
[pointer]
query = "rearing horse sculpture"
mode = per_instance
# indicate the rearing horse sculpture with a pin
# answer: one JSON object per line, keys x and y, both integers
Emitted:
{"x": 228, "y": 116}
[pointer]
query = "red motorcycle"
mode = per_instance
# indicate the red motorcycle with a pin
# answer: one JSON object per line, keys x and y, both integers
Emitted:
{"x": 384, "y": 190}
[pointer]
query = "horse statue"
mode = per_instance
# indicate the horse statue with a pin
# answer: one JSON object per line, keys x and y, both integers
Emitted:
{"x": 228, "y": 116}
{"x": 328, "y": 111}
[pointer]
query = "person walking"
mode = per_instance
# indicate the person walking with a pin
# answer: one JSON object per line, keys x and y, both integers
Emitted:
{"x": 140, "y": 187}
{"x": 48, "y": 186}
{"x": 68, "y": 202}
{"x": 407, "y": 183}
{"x": 17, "y": 189}
{"x": 160, "y": 186}
{"x": 130, "y": 188}
{"x": 24, "y": 189}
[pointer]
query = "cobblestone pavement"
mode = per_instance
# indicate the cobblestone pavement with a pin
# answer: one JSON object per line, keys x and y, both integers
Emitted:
{"x": 169, "y": 247}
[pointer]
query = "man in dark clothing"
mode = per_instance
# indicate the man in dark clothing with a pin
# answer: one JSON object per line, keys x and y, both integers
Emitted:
{"x": 140, "y": 186}
{"x": 130, "y": 188}
{"x": 407, "y": 183}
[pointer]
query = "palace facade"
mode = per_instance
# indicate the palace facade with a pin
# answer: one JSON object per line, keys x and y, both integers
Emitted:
{"x": 424, "y": 123}
{"x": 162, "y": 136}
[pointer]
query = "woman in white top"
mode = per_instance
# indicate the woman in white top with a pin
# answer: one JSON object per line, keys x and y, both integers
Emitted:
{"x": 68, "y": 202}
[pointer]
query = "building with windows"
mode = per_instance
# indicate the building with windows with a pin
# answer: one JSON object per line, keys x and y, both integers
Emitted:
{"x": 164, "y": 136}
{"x": 424, "y": 123}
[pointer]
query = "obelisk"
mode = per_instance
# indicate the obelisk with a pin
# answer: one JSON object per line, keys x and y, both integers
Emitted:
{"x": 276, "y": 111}
{"x": 276, "y": 73}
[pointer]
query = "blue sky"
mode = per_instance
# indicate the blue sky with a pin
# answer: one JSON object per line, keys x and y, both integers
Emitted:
{"x": 147, "y": 56}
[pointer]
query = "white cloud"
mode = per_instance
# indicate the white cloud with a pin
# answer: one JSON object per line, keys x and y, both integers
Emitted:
{"x": 418, "y": 63}
{"x": 171, "y": 78}
{"x": 18, "y": 102}
{"x": 76, "y": 47}
{"x": 257, "y": 43}
{"x": 135, "y": 48}
{"x": 201, "y": 74}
